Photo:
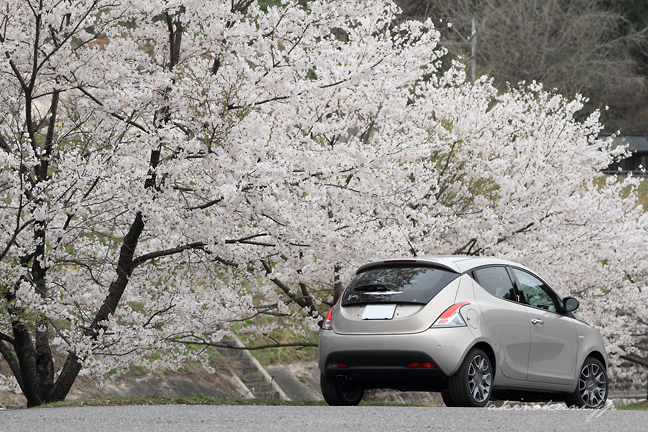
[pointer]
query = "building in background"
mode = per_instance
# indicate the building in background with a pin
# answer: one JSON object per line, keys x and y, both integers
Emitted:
{"x": 637, "y": 162}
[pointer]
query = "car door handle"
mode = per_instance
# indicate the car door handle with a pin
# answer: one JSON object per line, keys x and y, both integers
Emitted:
{"x": 537, "y": 322}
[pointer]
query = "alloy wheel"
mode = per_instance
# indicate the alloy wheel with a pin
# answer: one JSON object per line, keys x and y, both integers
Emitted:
{"x": 592, "y": 385}
{"x": 479, "y": 378}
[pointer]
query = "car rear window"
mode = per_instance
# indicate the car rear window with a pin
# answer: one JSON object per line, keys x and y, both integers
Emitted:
{"x": 397, "y": 284}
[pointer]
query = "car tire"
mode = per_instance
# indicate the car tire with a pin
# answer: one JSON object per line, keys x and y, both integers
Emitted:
{"x": 447, "y": 399}
{"x": 592, "y": 388}
{"x": 340, "y": 393}
{"x": 471, "y": 385}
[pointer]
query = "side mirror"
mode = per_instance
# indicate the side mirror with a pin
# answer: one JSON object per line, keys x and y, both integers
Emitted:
{"x": 570, "y": 304}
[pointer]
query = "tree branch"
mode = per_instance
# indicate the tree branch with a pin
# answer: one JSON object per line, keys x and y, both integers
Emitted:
{"x": 206, "y": 205}
{"x": 12, "y": 361}
{"x": 634, "y": 358}
{"x": 247, "y": 240}
{"x": 244, "y": 348}
{"x": 149, "y": 256}
{"x": 117, "y": 116}
{"x": 160, "y": 312}
{"x": 521, "y": 230}
{"x": 14, "y": 236}
{"x": 299, "y": 300}
{"x": 468, "y": 245}
{"x": 198, "y": 245}
{"x": 59, "y": 332}
{"x": 4, "y": 337}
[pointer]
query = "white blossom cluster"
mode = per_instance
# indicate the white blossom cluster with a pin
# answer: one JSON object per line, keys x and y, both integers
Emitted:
{"x": 265, "y": 154}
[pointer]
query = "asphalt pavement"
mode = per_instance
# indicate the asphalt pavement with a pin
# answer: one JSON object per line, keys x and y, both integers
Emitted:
{"x": 315, "y": 418}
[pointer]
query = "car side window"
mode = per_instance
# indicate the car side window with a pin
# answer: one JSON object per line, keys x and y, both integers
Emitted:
{"x": 496, "y": 281}
{"x": 535, "y": 292}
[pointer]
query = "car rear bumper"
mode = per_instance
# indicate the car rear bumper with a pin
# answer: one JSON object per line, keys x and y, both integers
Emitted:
{"x": 382, "y": 365}
{"x": 386, "y": 356}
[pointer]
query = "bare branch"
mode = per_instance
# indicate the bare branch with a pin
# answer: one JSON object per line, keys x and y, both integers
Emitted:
{"x": 226, "y": 262}
{"x": 634, "y": 358}
{"x": 206, "y": 205}
{"x": 273, "y": 220}
{"x": 468, "y": 245}
{"x": 200, "y": 341}
{"x": 521, "y": 230}
{"x": 248, "y": 238}
{"x": 149, "y": 256}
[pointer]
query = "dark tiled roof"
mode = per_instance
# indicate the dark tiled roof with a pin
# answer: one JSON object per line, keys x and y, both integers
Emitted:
{"x": 636, "y": 143}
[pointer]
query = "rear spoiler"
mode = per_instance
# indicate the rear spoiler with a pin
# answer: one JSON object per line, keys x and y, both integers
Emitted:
{"x": 426, "y": 262}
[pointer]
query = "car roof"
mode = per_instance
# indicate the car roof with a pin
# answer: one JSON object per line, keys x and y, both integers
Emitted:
{"x": 455, "y": 263}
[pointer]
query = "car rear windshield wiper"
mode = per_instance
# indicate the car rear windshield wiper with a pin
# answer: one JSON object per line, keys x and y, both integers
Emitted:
{"x": 371, "y": 287}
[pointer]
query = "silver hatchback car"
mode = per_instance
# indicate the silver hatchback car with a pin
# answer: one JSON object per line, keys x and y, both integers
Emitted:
{"x": 471, "y": 328}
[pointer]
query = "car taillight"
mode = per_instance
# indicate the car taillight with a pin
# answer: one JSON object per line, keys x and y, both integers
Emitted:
{"x": 328, "y": 325}
{"x": 451, "y": 317}
{"x": 425, "y": 365}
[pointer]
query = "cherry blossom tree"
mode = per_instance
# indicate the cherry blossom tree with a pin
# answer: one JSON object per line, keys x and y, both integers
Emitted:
{"x": 170, "y": 168}
{"x": 154, "y": 152}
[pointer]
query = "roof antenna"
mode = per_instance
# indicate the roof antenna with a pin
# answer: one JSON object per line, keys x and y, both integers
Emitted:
{"x": 407, "y": 239}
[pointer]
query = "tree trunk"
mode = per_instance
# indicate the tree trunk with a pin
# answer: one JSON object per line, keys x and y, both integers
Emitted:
{"x": 31, "y": 360}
